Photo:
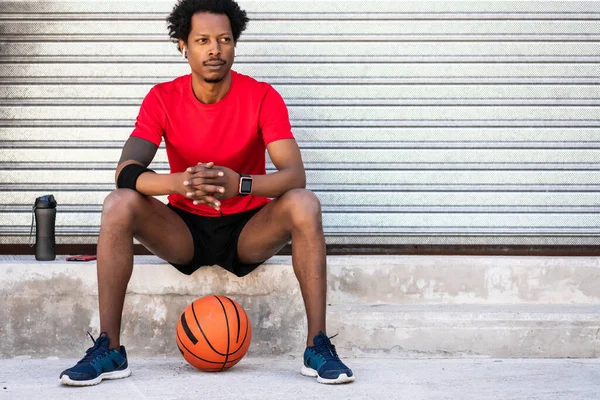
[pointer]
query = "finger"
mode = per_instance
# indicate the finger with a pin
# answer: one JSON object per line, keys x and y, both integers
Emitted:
{"x": 200, "y": 166}
{"x": 196, "y": 194}
{"x": 204, "y": 170}
{"x": 199, "y": 201}
{"x": 207, "y": 173}
{"x": 209, "y": 189}
{"x": 201, "y": 195}
{"x": 194, "y": 168}
{"x": 208, "y": 200}
{"x": 219, "y": 171}
{"x": 203, "y": 177}
{"x": 205, "y": 165}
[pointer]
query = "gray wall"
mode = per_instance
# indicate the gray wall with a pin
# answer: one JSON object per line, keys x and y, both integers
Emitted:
{"x": 425, "y": 123}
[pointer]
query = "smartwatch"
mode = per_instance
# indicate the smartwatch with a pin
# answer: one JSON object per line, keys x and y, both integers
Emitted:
{"x": 245, "y": 185}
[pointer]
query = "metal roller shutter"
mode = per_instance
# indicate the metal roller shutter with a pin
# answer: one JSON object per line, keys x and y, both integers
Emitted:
{"x": 419, "y": 123}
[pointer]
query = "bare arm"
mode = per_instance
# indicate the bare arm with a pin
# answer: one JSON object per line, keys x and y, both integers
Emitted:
{"x": 290, "y": 174}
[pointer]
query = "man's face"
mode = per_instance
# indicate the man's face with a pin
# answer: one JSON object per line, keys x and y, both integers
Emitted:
{"x": 210, "y": 47}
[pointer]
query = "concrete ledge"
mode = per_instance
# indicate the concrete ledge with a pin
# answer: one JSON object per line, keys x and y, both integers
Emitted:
{"x": 452, "y": 331}
{"x": 352, "y": 279}
{"x": 411, "y": 306}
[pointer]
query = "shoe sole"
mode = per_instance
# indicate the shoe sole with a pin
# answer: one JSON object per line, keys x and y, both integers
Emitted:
{"x": 342, "y": 378}
{"x": 65, "y": 380}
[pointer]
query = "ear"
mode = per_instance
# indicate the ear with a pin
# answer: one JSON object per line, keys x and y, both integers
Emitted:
{"x": 181, "y": 44}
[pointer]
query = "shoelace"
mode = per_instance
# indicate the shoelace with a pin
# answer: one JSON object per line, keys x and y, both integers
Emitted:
{"x": 327, "y": 349}
{"x": 93, "y": 351}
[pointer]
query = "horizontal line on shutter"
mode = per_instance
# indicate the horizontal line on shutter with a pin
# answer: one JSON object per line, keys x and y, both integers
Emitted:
{"x": 410, "y": 229}
{"x": 456, "y": 188}
{"x": 379, "y": 231}
{"x": 374, "y": 134}
{"x": 280, "y": 80}
{"x": 306, "y": 123}
{"x": 567, "y": 123}
{"x": 290, "y": 59}
{"x": 351, "y": 167}
{"x": 378, "y": 209}
{"x": 378, "y": 244}
{"x": 350, "y": 238}
{"x": 338, "y": 145}
{"x": 102, "y": 187}
{"x": 308, "y": 16}
{"x": 8, "y": 15}
{"x": 60, "y": 231}
{"x": 330, "y": 102}
{"x": 324, "y": 38}
{"x": 461, "y": 231}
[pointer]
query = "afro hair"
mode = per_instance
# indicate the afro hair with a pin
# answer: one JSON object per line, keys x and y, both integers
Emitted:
{"x": 180, "y": 19}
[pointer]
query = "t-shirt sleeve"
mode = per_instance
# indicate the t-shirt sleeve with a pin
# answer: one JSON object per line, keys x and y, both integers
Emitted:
{"x": 273, "y": 120}
{"x": 150, "y": 123}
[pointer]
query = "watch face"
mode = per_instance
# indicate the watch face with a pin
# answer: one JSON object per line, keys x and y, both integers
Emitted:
{"x": 246, "y": 185}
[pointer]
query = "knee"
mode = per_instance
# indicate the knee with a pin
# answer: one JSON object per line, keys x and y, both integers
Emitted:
{"x": 304, "y": 208}
{"x": 121, "y": 204}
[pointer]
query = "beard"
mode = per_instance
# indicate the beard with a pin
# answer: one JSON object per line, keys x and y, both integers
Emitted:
{"x": 213, "y": 80}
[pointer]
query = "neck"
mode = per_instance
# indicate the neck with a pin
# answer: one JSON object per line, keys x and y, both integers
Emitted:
{"x": 209, "y": 93}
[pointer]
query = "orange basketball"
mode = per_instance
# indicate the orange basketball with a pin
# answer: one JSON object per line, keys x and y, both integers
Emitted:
{"x": 213, "y": 333}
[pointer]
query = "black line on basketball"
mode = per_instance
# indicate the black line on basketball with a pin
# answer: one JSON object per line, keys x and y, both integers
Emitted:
{"x": 203, "y": 334}
{"x": 237, "y": 314}
{"x": 191, "y": 353}
{"x": 187, "y": 330}
{"x": 245, "y": 336}
{"x": 227, "y": 325}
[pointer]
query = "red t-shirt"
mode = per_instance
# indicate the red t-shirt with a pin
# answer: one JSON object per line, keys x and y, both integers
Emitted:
{"x": 233, "y": 132}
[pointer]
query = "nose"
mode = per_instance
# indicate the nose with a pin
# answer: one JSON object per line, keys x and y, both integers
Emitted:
{"x": 215, "y": 49}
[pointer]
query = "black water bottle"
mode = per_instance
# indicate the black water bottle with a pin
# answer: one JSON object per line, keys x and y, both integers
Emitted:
{"x": 45, "y": 218}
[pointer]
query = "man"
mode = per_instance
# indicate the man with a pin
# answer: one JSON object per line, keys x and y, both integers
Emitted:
{"x": 216, "y": 124}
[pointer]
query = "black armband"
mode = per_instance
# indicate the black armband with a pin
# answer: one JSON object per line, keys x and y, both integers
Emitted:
{"x": 129, "y": 175}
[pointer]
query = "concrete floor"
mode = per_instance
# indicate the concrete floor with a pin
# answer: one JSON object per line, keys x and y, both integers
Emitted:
{"x": 278, "y": 378}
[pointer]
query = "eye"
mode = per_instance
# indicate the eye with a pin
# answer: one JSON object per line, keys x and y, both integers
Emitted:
{"x": 226, "y": 40}
{"x": 201, "y": 40}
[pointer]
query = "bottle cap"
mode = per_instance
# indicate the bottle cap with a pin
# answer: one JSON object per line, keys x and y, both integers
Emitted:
{"x": 47, "y": 201}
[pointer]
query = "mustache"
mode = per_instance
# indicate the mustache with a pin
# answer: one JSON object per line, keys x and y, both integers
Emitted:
{"x": 214, "y": 60}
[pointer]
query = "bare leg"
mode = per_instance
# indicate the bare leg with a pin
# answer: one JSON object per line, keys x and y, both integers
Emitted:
{"x": 295, "y": 215}
{"x": 127, "y": 214}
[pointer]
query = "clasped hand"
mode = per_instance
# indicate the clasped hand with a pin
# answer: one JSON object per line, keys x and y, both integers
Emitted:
{"x": 206, "y": 183}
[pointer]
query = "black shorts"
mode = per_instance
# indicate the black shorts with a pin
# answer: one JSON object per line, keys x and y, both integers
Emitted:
{"x": 215, "y": 241}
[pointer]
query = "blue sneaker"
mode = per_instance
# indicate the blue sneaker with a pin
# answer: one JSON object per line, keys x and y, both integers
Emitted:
{"x": 322, "y": 361}
{"x": 100, "y": 362}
